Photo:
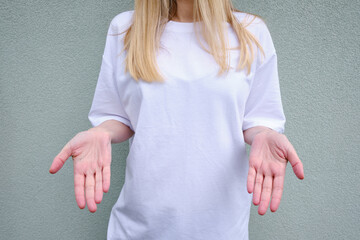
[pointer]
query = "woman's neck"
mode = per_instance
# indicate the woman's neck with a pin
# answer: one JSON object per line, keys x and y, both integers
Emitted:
{"x": 184, "y": 12}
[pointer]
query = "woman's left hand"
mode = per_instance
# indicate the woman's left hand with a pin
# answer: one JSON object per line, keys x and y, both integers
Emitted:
{"x": 269, "y": 154}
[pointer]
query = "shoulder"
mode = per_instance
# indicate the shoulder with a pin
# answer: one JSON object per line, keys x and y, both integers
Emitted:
{"x": 257, "y": 26}
{"x": 251, "y": 22}
{"x": 122, "y": 21}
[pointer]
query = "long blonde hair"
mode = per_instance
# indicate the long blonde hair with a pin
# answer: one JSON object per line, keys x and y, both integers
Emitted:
{"x": 142, "y": 38}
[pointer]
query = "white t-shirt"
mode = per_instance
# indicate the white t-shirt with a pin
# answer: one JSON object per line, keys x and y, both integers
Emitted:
{"x": 187, "y": 166}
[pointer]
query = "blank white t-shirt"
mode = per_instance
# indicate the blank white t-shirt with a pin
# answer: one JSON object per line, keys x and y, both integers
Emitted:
{"x": 187, "y": 166}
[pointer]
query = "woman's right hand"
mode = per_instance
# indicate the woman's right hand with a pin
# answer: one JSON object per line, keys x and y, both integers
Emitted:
{"x": 91, "y": 152}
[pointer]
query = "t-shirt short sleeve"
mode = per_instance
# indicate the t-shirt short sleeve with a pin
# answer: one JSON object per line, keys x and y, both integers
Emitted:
{"x": 264, "y": 106}
{"x": 106, "y": 103}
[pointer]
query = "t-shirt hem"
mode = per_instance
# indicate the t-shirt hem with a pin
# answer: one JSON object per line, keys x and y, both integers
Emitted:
{"x": 278, "y": 128}
{"x": 96, "y": 122}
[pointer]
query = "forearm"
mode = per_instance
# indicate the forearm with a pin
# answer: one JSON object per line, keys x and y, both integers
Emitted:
{"x": 251, "y": 132}
{"x": 117, "y": 131}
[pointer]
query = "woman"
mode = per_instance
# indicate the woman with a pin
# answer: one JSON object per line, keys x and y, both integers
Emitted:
{"x": 167, "y": 84}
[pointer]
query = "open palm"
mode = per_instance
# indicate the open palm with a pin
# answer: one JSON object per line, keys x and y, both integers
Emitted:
{"x": 91, "y": 152}
{"x": 269, "y": 154}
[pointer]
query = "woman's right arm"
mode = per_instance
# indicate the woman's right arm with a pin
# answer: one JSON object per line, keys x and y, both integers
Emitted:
{"x": 91, "y": 149}
{"x": 91, "y": 152}
{"x": 118, "y": 131}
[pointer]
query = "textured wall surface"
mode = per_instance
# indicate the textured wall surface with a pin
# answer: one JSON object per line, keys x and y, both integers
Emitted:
{"x": 50, "y": 59}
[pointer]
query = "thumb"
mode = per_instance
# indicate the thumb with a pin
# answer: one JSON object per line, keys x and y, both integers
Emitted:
{"x": 60, "y": 159}
{"x": 295, "y": 162}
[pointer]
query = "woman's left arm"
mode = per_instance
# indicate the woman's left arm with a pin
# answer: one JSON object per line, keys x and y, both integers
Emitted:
{"x": 270, "y": 151}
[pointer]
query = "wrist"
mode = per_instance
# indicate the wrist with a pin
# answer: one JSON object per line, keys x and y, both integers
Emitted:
{"x": 101, "y": 130}
{"x": 250, "y": 133}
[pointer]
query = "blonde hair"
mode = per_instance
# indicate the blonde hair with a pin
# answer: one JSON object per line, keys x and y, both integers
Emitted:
{"x": 142, "y": 38}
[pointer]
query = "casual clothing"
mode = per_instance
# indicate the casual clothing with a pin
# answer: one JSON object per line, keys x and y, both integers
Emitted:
{"x": 187, "y": 166}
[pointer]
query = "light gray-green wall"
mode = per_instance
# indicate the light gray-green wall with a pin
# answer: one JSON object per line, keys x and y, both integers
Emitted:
{"x": 50, "y": 53}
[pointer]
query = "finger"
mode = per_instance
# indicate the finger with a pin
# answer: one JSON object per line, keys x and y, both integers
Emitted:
{"x": 265, "y": 194}
{"x": 295, "y": 162}
{"x": 251, "y": 179}
{"x": 61, "y": 158}
{"x": 79, "y": 183}
{"x": 277, "y": 192}
{"x": 258, "y": 185}
{"x": 90, "y": 185}
{"x": 106, "y": 178}
{"x": 98, "y": 186}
